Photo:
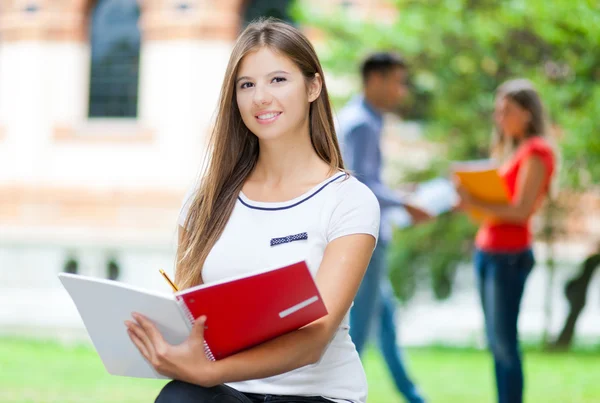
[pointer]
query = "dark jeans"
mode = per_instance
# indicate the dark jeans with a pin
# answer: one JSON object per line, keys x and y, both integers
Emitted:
{"x": 183, "y": 392}
{"x": 375, "y": 304}
{"x": 501, "y": 281}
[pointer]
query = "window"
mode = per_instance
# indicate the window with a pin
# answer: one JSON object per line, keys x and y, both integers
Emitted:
{"x": 267, "y": 8}
{"x": 71, "y": 266}
{"x": 113, "y": 270}
{"x": 115, "y": 45}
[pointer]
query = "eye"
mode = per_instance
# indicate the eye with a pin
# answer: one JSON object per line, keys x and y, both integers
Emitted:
{"x": 246, "y": 85}
{"x": 278, "y": 79}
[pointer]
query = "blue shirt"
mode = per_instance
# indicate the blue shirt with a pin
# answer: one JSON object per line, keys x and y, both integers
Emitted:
{"x": 359, "y": 131}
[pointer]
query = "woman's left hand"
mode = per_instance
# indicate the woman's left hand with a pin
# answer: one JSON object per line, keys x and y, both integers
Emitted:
{"x": 466, "y": 198}
{"x": 185, "y": 362}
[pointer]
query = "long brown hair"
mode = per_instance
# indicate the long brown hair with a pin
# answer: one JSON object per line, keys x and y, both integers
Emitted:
{"x": 522, "y": 92}
{"x": 233, "y": 150}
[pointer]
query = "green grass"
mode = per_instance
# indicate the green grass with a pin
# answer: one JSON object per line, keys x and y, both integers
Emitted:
{"x": 44, "y": 372}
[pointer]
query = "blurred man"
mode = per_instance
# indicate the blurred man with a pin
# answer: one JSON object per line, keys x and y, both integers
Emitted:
{"x": 360, "y": 129}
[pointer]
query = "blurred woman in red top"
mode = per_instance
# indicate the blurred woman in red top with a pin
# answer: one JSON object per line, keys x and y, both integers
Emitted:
{"x": 503, "y": 258}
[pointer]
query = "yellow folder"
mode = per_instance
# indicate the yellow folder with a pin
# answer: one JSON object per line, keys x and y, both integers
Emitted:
{"x": 483, "y": 182}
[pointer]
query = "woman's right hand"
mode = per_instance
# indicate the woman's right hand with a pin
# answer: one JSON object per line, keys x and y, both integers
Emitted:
{"x": 465, "y": 199}
{"x": 185, "y": 362}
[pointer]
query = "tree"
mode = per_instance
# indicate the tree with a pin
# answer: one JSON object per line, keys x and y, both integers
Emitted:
{"x": 459, "y": 52}
{"x": 576, "y": 293}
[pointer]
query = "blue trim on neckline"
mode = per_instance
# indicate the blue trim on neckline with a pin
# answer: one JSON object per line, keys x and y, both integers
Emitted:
{"x": 291, "y": 205}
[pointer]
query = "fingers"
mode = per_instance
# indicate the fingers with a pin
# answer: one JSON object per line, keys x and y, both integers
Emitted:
{"x": 150, "y": 330}
{"x": 153, "y": 347}
{"x": 148, "y": 336}
{"x": 147, "y": 348}
{"x": 198, "y": 329}
{"x": 139, "y": 344}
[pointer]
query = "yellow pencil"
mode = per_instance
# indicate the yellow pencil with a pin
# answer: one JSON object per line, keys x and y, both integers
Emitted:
{"x": 168, "y": 280}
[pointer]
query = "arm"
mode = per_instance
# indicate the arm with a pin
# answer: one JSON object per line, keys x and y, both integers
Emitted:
{"x": 530, "y": 183}
{"x": 344, "y": 263}
{"x": 418, "y": 216}
{"x": 361, "y": 145}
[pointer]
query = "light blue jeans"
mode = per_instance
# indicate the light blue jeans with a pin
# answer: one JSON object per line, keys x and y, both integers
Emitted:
{"x": 375, "y": 304}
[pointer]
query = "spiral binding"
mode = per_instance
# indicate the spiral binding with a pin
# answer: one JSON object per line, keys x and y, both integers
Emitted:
{"x": 207, "y": 351}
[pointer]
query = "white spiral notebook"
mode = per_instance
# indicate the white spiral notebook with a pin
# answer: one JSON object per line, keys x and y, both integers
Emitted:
{"x": 241, "y": 312}
{"x": 105, "y": 305}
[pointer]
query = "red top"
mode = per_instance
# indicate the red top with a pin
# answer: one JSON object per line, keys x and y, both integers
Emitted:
{"x": 510, "y": 237}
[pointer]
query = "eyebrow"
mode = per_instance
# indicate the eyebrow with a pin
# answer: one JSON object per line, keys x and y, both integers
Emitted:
{"x": 270, "y": 74}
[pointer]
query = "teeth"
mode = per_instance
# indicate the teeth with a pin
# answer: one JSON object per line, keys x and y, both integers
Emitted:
{"x": 268, "y": 115}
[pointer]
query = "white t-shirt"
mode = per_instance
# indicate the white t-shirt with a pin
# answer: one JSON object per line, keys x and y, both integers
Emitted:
{"x": 340, "y": 205}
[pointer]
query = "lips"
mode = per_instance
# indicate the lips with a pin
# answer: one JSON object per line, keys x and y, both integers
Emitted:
{"x": 267, "y": 117}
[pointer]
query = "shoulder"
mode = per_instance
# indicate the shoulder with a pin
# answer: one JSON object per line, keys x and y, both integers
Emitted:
{"x": 355, "y": 209}
{"x": 541, "y": 148}
{"x": 352, "y": 117}
{"x": 538, "y": 144}
{"x": 350, "y": 194}
{"x": 348, "y": 187}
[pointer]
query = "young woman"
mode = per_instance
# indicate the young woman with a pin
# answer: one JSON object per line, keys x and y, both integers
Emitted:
{"x": 503, "y": 257}
{"x": 275, "y": 170}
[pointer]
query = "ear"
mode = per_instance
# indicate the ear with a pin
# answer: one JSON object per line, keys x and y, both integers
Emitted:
{"x": 314, "y": 87}
{"x": 526, "y": 116}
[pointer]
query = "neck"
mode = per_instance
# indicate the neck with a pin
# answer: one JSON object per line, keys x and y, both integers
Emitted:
{"x": 519, "y": 137}
{"x": 291, "y": 157}
{"x": 372, "y": 100}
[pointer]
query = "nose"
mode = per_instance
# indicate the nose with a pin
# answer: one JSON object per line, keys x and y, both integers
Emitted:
{"x": 261, "y": 95}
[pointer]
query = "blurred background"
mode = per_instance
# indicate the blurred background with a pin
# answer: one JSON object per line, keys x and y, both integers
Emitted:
{"x": 104, "y": 110}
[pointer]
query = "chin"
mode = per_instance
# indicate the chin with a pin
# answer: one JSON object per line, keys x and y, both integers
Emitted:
{"x": 267, "y": 134}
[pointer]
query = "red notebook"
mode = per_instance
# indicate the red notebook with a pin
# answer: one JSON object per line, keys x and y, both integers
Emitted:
{"x": 247, "y": 311}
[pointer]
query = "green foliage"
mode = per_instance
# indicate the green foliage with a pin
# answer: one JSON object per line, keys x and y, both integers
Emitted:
{"x": 459, "y": 52}
{"x": 39, "y": 372}
{"x": 427, "y": 247}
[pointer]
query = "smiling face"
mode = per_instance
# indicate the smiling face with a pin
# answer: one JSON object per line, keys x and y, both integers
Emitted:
{"x": 511, "y": 118}
{"x": 273, "y": 95}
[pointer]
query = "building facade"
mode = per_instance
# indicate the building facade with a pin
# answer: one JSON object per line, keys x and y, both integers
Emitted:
{"x": 105, "y": 106}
